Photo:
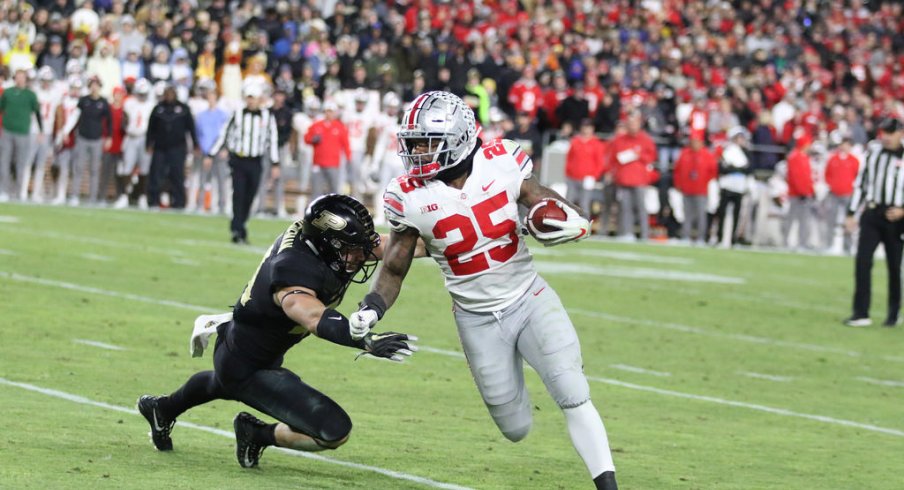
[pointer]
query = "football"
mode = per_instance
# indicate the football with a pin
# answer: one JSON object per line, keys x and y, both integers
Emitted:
{"x": 546, "y": 208}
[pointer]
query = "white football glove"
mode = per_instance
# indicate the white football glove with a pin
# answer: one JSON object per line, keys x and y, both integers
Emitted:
{"x": 573, "y": 228}
{"x": 361, "y": 322}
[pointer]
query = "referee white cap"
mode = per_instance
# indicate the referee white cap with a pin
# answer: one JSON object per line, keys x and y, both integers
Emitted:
{"x": 252, "y": 90}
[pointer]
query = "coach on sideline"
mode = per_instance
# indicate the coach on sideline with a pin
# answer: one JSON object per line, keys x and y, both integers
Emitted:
{"x": 250, "y": 133}
{"x": 169, "y": 125}
{"x": 17, "y": 104}
{"x": 880, "y": 187}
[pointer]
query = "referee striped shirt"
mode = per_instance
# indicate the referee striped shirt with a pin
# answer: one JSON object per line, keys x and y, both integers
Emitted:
{"x": 249, "y": 134}
{"x": 880, "y": 180}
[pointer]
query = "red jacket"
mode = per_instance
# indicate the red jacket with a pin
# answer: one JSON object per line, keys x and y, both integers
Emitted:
{"x": 632, "y": 156}
{"x": 841, "y": 171}
{"x": 800, "y": 175}
{"x": 333, "y": 142}
{"x": 586, "y": 158}
{"x": 526, "y": 96}
{"x": 694, "y": 170}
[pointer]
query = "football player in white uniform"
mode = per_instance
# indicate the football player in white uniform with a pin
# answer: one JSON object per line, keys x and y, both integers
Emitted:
{"x": 385, "y": 163}
{"x": 65, "y": 140}
{"x": 49, "y": 98}
{"x": 461, "y": 196}
{"x": 358, "y": 119}
{"x": 136, "y": 161}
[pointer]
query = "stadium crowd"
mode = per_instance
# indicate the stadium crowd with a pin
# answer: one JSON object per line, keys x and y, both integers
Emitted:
{"x": 670, "y": 112}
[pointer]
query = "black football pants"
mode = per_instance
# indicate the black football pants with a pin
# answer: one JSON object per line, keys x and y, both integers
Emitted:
{"x": 273, "y": 390}
{"x": 246, "y": 178}
{"x": 876, "y": 229}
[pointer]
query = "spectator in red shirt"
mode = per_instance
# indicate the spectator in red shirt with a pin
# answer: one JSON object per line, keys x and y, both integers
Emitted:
{"x": 695, "y": 168}
{"x": 329, "y": 137}
{"x": 526, "y": 94}
{"x": 841, "y": 171}
{"x": 800, "y": 193}
{"x": 112, "y": 155}
{"x": 631, "y": 155}
{"x": 585, "y": 163}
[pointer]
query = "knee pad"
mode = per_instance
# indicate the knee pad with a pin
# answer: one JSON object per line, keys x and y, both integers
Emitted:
{"x": 569, "y": 388}
{"x": 331, "y": 424}
{"x": 513, "y": 418}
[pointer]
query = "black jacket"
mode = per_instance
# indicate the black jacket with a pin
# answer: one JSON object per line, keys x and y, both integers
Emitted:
{"x": 168, "y": 125}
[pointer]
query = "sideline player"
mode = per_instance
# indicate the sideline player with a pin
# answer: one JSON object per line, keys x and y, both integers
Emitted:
{"x": 461, "y": 197}
{"x": 303, "y": 275}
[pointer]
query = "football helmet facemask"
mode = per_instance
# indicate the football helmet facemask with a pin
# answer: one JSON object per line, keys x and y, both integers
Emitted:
{"x": 342, "y": 232}
{"x": 438, "y": 132}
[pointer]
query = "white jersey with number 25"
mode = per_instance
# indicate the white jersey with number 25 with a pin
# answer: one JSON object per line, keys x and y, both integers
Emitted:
{"x": 473, "y": 232}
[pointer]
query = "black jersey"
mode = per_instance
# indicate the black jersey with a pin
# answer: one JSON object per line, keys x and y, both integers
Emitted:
{"x": 261, "y": 329}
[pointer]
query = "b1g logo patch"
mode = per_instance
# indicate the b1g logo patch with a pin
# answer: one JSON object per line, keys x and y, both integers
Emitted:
{"x": 328, "y": 220}
{"x": 429, "y": 208}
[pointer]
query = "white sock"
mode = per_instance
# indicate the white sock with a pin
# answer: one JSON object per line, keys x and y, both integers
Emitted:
{"x": 588, "y": 434}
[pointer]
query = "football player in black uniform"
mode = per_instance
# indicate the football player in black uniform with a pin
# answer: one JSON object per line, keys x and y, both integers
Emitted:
{"x": 302, "y": 277}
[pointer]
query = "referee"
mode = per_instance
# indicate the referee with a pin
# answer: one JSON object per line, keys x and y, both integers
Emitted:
{"x": 250, "y": 133}
{"x": 880, "y": 187}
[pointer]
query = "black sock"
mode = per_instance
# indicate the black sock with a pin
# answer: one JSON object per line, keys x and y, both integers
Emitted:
{"x": 199, "y": 389}
{"x": 265, "y": 435}
{"x": 606, "y": 481}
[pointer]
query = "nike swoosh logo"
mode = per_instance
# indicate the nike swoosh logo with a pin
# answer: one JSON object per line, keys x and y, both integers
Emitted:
{"x": 583, "y": 232}
{"x": 485, "y": 187}
{"x": 156, "y": 424}
{"x": 540, "y": 291}
{"x": 335, "y": 318}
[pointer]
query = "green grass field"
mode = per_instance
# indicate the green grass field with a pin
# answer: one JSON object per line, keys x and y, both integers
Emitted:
{"x": 713, "y": 369}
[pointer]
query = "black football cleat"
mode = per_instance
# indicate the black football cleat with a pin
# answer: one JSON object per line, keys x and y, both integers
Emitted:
{"x": 160, "y": 426}
{"x": 247, "y": 452}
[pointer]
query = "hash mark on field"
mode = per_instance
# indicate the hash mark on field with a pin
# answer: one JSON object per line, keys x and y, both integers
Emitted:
{"x": 768, "y": 377}
{"x": 3, "y": 251}
{"x": 883, "y": 382}
{"x": 95, "y": 343}
{"x": 9, "y": 219}
{"x": 316, "y": 457}
{"x": 184, "y": 261}
{"x": 633, "y": 369}
{"x": 96, "y": 257}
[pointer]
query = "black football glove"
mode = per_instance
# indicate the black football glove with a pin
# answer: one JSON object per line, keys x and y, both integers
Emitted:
{"x": 389, "y": 345}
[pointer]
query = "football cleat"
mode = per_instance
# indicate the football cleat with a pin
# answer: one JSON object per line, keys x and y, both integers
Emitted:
{"x": 247, "y": 452}
{"x": 160, "y": 426}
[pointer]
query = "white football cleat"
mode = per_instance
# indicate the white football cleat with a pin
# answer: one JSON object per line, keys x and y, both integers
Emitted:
{"x": 205, "y": 326}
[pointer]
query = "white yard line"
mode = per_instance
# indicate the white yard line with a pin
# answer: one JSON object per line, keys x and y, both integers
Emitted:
{"x": 882, "y": 382}
{"x": 103, "y": 292}
{"x": 650, "y": 389}
{"x": 9, "y": 219}
{"x": 316, "y": 457}
{"x": 634, "y": 272}
{"x": 95, "y": 343}
{"x": 754, "y": 339}
{"x": 752, "y": 406}
{"x": 768, "y": 377}
{"x": 634, "y": 369}
{"x": 7, "y": 252}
